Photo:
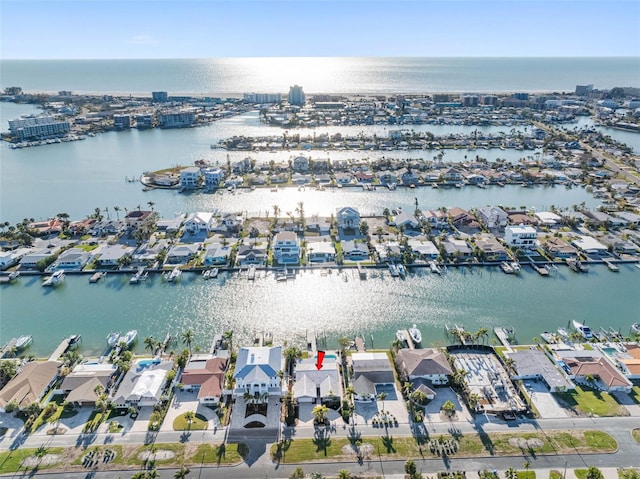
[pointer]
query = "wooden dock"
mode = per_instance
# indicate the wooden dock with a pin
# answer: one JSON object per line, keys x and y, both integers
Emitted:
{"x": 406, "y": 338}
{"x": 362, "y": 272}
{"x": 505, "y": 335}
{"x": 312, "y": 342}
{"x": 541, "y": 270}
{"x": 61, "y": 349}
{"x": 612, "y": 267}
{"x": 251, "y": 273}
{"x": 360, "y": 345}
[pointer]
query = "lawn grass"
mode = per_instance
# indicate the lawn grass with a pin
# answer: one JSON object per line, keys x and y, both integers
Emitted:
{"x": 498, "y": 444}
{"x": 553, "y": 474}
{"x": 218, "y": 454}
{"x": 94, "y": 421}
{"x": 198, "y": 423}
{"x": 581, "y": 473}
{"x": 526, "y": 474}
{"x": 11, "y": 461}
{"x": 590, "y": 401}
{"x": 635, "y": 394}
{"x": 636, "y": 434}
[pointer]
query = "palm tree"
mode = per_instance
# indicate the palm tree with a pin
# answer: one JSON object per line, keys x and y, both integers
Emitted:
{"x": 381, "y": 397}
{"x": 183, "y": 471}
{"x": 511, "y": 473}
{"x": 189, "y": 416}
{"x": 187, "y": 338}
{"x": 276, "y": 212}
{"x": 291, "y": 354}
{"x": 150, "y": 343}
{"x": 117, "y": 210}
{"x": 320, "y": 413}
{"x": 344, "y": 474}
{"x": 228, "y": 339}
{"x": 151, "y": 204}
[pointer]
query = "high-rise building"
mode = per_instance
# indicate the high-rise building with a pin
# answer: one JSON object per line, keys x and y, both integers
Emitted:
{"x": 296, "y": 95}
{"x": 583, "y": 90}
{"x": 159, "y": 96}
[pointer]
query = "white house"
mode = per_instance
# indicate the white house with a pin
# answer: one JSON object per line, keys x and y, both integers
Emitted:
{"x": 143, "y": 384}
{"x": 251, "y": 255}
{"x": 9, "y": 258}
{"x": 492, "y": 216}
{"x": 216, "y": 254}
{"x": 212, "y": 177}
{"x": 348, "y": 217}
{"x": 111, "y": 254}
{"x": 315, "y": 385}
{"x": 321, "y": 251}
{"x": 200, "y": 221}
{"x": 589, "y": 245}
{"x": 355, "y": 251}
{"x": 190, "y": 178}
{"x": 256, "y": 371}
{"x": 181, "y": 253}
{"x": 286, "y": 248}
{"x": 424, "y": 248}
{"x": 300, "y": 163}
{"x": 520, "y": 236}
{"x": 73, "y": 259}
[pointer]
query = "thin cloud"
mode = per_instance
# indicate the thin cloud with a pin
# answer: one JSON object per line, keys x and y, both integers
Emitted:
{"x": 143, "y": 39}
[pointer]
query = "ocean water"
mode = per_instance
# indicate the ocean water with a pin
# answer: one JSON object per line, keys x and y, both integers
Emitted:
{"x": 234, "y": 76}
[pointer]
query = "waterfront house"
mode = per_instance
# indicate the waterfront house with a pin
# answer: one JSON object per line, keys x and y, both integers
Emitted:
{"x": 12, "y": 257}
{"x": 278, "y": 179}
{"x": 533, "y": 364}
{"x": 590, "y": 368}
{"x": 212, "y": 178}
{"x": 182, "y": 253}
{"x": 548, "y": 218}
{"x": 491, "y": 248}
{"x": 300, "y": 164}
{"x": 286, "y": 248}
{"x": 44, "y": 228}
{"x": 146, "y": 254}
{"x": 143, "y": 384}
{"x": 423, "y": 364}
{"x": 108, "y": 227}
{"x": 199, "y": 221}
{"x": 452, "y": 176}
{"x": 31, "y": 259}
{"x": 589, "y": 245}
{"x": 177, "y": 119}
{"x": 387, "y": 177}
{"x": 320, "y": 165}
{"x": 410, "y": 178}
{"x": 354, "y": 251}
{"x": 228, "y": 223}
{"x": 79, "y": 386}
{"x": 617, "y": 244}
{"x": 388, "y": 251}
{"x": 320, "y": 251}
{"x": 344, "y": 179}
{"x": 190, "y": 178}
{"x": 424, "y": 248}
{"x": 436, "y": 219}
{"x": 463, "y": 220}
{"x": 251, "y": 254}
{"x": 216, "y": 254}
{"x": 256, "y": 371}
{"x": 364, "y": 178}
{"x": 319, "y": 225}
{"x": 170, "y": 225}
{"x": 632, "y": 219}
{"x": 301, "y": 180}
{"x": 406, "y": 221}
{"x": 73, "y": 259}
{"x": 112, "y": 255}
{"x": 492, "y": 216}
{"x": 30, "y": 385}
{"x": 139, "y": 219}
{"x": 520, "y": 236}
{"x": 456, "y": 248}
{"x": 206, "y": 376}
{"x": 241, "y": 167}
{"x": 348, "y": 218}
{"x": 559, "y": 248}
{"x": 370, "y": 370}
{"x": 317, "y": 386}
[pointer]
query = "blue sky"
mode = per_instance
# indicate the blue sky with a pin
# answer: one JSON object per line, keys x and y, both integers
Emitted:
{"x": 80, "y": 29}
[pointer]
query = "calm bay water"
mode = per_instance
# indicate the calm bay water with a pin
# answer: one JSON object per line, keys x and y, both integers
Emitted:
{"x": 79, "y": 176}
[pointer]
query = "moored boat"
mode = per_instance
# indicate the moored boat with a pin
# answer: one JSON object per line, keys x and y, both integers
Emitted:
{"x": 95, "y": 277}
{"x": 635, "y": 328}
{"x": 548, "y": 337}
{"x": 55, "y": 279}
{"x": 507, "y": 268}
{"x": 112, "y": 338}
{"x": 563, "y": 333}
{"x": 23, "y": 342}
{"x": 433, "y": 266}
{"x": 174, "y": 275}
{"x": 129, "y": 338}
{"x": 416, "y": 335}
{"x": 393, "y": 269}
{"x": 583, "y": 329}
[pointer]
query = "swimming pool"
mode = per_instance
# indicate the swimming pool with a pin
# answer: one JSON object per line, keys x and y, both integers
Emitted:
{"x": 389, "y": 389}
{"x": 610, "y": 351}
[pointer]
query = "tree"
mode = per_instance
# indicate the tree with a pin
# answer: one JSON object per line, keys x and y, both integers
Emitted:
{"x": 150, "y": 344}
{"x": 228, "y": 339}
{"x": 150, "y": 204}
{"x": 344, "y": 474}
{"x": 320, "y": 413}
{"x": 189, "y": 416}
{"x": 511, "y": 473}
{"x": 449, "y": 408}
{"x": 182, "y": 472}
{"x": 298, "y": 473}
{"x": 410, "y": 468}
{"x": 291, "y": 354}
{"x": 381, "y": 397}
{"x": 187, "y": 338}
{"x": 117, "y": 210}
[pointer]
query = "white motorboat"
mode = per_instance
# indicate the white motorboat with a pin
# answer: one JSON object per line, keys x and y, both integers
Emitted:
{"x": 416, "y": 335}
{"x": 635, "y": 328}
{"x": 55, "y": 279}
{"x": 23, "y": 342}
{"x": 402, "y": 271}
{"x": 433, "y": 266}
{"x": 507, "y": 268}
{"x": 174, "y": 275}
{"x": 112, "y": 339}
{"x": 206, "y": 274}
{"x": 583, "y": 329}
{"x": 400, "y": 336}
{"x": 563, "y": 333}
{"x": 129, "y": 338}
{"x": 393, "y": 269}
{"x": 214, "y": 273}
{"x": 547, "y": 337}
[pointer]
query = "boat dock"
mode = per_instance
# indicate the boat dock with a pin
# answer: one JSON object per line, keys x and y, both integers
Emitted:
{"x": 541, "y": 270}
{"x": 406, "y": 338}
{"x": 362, "y": 272}
{"x": 312, "y": 342}
{"x": 5, "y": 279}
{"x": 612, "y": 267}
{"x": 9, "y": 347}
{"x": 360, "y": 344}
{"x": 251, "y": 273}
{"x": 62, "y": 348}
{"x": 505, "y": 335}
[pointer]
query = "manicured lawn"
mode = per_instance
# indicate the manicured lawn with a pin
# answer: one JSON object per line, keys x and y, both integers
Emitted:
{"x": 95, "y": 420}
{"x": 551, "y": 442}
{"x": 10, "y": 461}
{"x": 218, "y": 454}
{"x": 592, "y": 402}
{"x": 635, "y": 394}
{"x": 198, "y": 423}
{"x": 526, "y": 474}
{"x": 555, "y": 475}
{"x": 636, "y": 434}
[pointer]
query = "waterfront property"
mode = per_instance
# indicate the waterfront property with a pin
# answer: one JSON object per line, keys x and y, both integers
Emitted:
{"x": 369, "y": 371}
{"x": 420, "y": 365}
{"x": 30, "y": 385}
{"x": 82, "y": 385}
{"x": 206, "y": 376}
{"x": 318, "y": 386}
{"x": 143, "y": 384}
{"x": 256, "y": 371}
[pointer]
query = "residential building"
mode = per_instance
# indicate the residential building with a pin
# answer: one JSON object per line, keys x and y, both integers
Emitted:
{"x": 182, "y": 253}
{"x": 424, "y": 248}
{"x": 589, "y": 245}
{"x": 79, "y": 386}
{"x": 140, "y": 218}
{"x": 355, "y": 250}
{"x": 300, "y": 164}
{"x": 251, "y": 255}
{"x": 38, "y": 127}
{"x": 212, "y": 178}
{"x": 456, "y": 248}
{"x": 206, "y": 376}
{"x": 592, "y": 369}
{"x": 492, "y": 216}
{"x": 426, "y": 364}
{"x": 256, "y": 371}
{"x": 559, "y": 248}
{"x": 122, "y": 122}
{"x": 159, "y": 96}
{"x": 369, "y": 370}
{"x": 30, "y": 385}
{"x": 286, "y": 248}
{"x": 314, "y": 385}
{"x": 144, "y": 121}
{"x": 533, "y": 364}
{"x": 348, "y": 217}
{"x": 111, "y": 255}
{"x": 72, "y": 259}
{"x": 190, "y": 178}
{"x": 143, "y": 384}
{"x": 296, "y": 95}
{"x": 321, "y": 251}
{"x": 177, "y": 119}
{"x": 199, "y": 221}
{"x": 216, "y": 254}
{"x": 491, "y": 248}
{"x": 262, "y": 97}
{"x": 435, "y": 218}
{"x": 520, "y": 236}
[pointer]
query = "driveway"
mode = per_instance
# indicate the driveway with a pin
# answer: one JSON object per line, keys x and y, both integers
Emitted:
{"x": 543, "y": 400}
{"x": 184, "y": 401}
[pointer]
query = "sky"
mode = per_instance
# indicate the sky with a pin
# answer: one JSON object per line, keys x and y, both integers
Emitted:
{"x": 82, "y": 29}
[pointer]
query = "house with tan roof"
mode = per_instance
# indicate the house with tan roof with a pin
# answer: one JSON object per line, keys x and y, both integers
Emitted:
{"x": 559, "y": 248}
{"x": 30, "y": 384}
{"x": 80, "y": 385}
{"x": 206, "y": 376}
{"x": 585, "y": 365}
{"x": 426, "y": 364}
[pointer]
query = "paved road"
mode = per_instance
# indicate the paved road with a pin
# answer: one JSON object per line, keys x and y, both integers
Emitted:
{"x": 259, "y": 463}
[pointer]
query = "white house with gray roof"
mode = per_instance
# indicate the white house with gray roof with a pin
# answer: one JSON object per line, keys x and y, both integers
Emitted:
{"x": 257, "y": 369}
{"x": 315, "y": 385}
{"x": 143, "y": 384}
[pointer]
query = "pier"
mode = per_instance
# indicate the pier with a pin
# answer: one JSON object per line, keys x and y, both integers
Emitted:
{"x": 541, "y": 270}
{"x": 362, "y": 272}
{"x": 251, "y": 273}
{"x": 505, "y": 335}
{"x": 312, "y": 344}
{"x": 360, "y": 344}
{"x": 406, "y": 338}
{"x": 612, "y": 267}
{"x": 63, "y": 347}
